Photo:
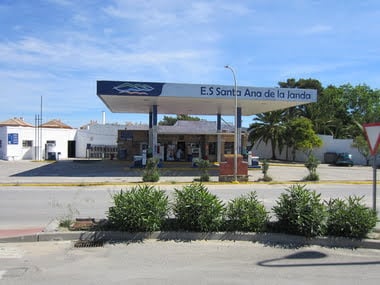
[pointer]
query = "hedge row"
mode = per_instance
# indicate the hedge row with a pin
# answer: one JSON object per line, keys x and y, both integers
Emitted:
{"x": 298, "y": 211}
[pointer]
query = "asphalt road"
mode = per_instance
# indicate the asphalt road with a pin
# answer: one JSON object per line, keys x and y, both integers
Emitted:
{"x": 23, "y": 207}
{"x": 197, "y": 262}
{"x": 26, "y": 202}
{"x": 83, "y": 171}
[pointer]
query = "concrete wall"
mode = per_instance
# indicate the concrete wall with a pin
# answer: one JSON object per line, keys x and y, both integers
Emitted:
{"x": 19, "y": 152}
{"x": 96, "y": 135}
{"x": 329, "y": 145}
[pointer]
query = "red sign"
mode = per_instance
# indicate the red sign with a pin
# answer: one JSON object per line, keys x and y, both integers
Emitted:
{"x": 372, "y": 131}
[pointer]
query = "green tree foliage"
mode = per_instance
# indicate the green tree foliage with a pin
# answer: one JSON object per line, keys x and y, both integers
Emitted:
{"x": 281, "y": 130}
{"x": 307, "y": 110}
{"x": 167, "y": 121}
{"x": 269, "y": 128}
{"x": 361, "y": 144}
{"x": 170, "y": 121}
{"x": 303, "y": 136}
{"x": 339, "y": 110}
{"x": 333, "y": 118}
{"x": 363, "y": 103}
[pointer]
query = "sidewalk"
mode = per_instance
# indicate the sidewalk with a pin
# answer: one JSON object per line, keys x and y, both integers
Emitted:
{"x": 8, "y": 233}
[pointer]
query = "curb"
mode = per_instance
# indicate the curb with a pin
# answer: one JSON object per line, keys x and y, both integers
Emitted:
{"x": 263, "y": 238}
{"x": 170, "y": 182}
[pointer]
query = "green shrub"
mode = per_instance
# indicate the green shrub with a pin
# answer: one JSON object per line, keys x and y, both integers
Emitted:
{"x": 300, "y": 211}
{"x": 312, "y": 164}
{"x": 246, "y": 213}
{"x": 151, "y": 173}
{"x": 265, "y": 169}
{"x": 312, "y": 177}
{"x": 65, "y": 223}
{"x": 350, "y": 218}
{"x": 196, "y": 209}
{"x": 203, "y": 166}
{"x": 143, "y": 208}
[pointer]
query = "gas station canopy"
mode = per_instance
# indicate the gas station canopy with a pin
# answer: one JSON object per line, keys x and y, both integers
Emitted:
{"x": 198, "y": 99}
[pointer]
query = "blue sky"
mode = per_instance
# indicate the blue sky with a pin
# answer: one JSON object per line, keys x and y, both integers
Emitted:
{"x": 57, "y": 49}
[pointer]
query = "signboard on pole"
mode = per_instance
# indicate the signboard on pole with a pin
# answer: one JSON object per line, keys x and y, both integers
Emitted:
{"x": 372, "y": 131}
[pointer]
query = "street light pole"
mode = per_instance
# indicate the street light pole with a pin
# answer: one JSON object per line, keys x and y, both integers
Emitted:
{"x": 236, "y": 124}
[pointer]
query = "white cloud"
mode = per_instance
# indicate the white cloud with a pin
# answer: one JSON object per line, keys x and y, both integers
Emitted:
{"x": 312, "y": 69}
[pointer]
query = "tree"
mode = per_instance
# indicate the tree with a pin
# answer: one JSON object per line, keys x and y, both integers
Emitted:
{"x": 268, "y": 127}
{"x": 332, "y": 117}
{"x": 303, "y": 136}
{"x": 306, "y": 110}
{"x": 167, "y": 121}
{"x": 170, "y": 121}
{"x": 339, "y": 110}
{"x": 360, "y": 142}
{"x": 363, "y": 106}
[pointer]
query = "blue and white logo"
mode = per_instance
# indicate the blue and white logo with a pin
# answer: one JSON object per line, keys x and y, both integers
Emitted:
{"x": 133, "y": 88}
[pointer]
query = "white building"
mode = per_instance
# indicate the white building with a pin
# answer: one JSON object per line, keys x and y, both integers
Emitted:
{"x": 97, "y": 140}
{"x": 20, "y": 140}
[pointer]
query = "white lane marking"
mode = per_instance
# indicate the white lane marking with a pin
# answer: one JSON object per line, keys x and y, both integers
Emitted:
{"x": 2, "y": 273}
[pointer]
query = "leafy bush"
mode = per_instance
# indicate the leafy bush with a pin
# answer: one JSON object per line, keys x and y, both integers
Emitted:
{"x": 65, "y": 223}
{"x": 196, "y": 209}
{"x": 312, "y": 164}
{"x": 300, "y": 211}
{"x": 151, "y": 173}
{"x": 143, "y": 208}
{"x": 246, "y": 213}
{"x": 203, "y": 166}
{"x": 350, "y": 218}
{"x": 265, "y": 169}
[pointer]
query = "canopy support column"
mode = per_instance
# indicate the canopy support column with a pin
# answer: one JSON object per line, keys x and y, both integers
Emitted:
{"x": 219, "y": 137}
{"x": 239, "y": 130}
{"x": 154, "y": 131}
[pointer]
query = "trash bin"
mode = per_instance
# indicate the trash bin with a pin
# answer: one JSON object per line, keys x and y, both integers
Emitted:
{"x": 52, "y": 156}
{"x": 137, "y": 161}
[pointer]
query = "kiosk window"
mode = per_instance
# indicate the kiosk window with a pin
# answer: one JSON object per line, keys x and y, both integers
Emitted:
{"x": 228, "y": 147}
{"x": 212, "y": 148}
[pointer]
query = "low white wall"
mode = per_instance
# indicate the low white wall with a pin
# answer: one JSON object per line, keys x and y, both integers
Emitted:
{"x": 329, "y": 145}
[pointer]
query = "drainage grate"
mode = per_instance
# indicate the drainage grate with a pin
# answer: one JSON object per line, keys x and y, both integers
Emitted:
{"x": 89, "y": 243}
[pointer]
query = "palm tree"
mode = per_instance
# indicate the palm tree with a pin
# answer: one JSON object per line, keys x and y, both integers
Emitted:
{"x": 268, "y": 127}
